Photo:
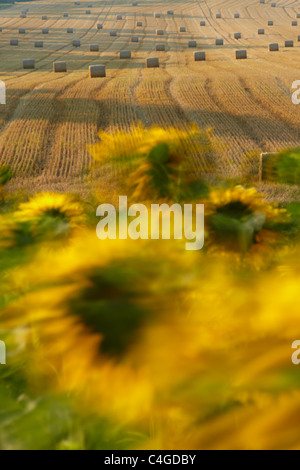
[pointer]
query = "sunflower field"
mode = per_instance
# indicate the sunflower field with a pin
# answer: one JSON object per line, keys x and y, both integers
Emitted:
{"x": 140, "y": 344}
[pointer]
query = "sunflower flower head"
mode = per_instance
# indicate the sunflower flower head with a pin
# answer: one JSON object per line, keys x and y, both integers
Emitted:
{"x": 157, "y": 163}
{"x": 53, "y": 214}
{"x": 239, "y": 218}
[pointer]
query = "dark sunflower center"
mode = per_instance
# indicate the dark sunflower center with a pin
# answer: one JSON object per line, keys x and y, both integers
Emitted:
{"x": 56, "y": 214}
{"x": 110, "y": 306}
{"x": 236, "y": 210}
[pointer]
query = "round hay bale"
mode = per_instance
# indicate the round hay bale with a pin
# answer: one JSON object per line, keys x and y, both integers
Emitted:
{"x": 94, "y": 48}
{"x": 14, "y": 42}
{"x": 170, "y": 12}
{"x": 87, "y": 12}
{"x": 261, "y": 31}
{"x": 241, "y": 55}
{"x": 298, "y": 15}
{"x": 97, "y": 71}
{"x": 76, "y": 43}
{"x": 192, "y": 44}
{"x": 66, "y": 15}
{"x": 59, "y": 67}
{"x": 160, "y": 47}
{"x": 139, "y": 24}
{"x": 218, "y": 16}
{"x": 113, "y": 33}
{"x": 134, "y": 39}
{"x": 237, "y": 15}
{"x": 237, "y": 36}
{"x": 99, "y": 26}
{"x": 274, "y": 47}
{"x": 22, "y": 31}
{"x": 152, "y": 62}
{"x": 219, "y": 42}
{"x": 23, "y": 16}
{"x": 200, "y": 56}
{"x": 202, "y": 23}
{"x": 157, "y": 15}
{"x": 273, "y": 5}
{"x": 39, "y": 44}
{"x": 182, "y": 29}
{"x": 270, "y": 23}
{"x": 119, "y": 17}
{"x": 70, "y": 30}
{"x": 44, "y": 17}
{"x": 28, "y": 63}
{"x": 125, "y": 55}
{"x": 289, "y": 44}
{"x": 159, "y": 32}
{"x": 45, "y": 31}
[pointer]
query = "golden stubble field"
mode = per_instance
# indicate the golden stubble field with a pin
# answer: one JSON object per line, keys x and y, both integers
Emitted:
{"x": 50, "y": 118}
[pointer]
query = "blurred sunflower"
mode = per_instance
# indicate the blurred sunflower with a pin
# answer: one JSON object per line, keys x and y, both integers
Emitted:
{"x": 161, "y": 160}
{"x": 51, "y": 214}
{"x": 240, "y": 220}
{"x": 86, "y": 315}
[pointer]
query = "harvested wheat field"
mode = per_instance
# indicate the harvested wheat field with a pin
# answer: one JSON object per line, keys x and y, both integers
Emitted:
{"x": 50, "y": 118}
